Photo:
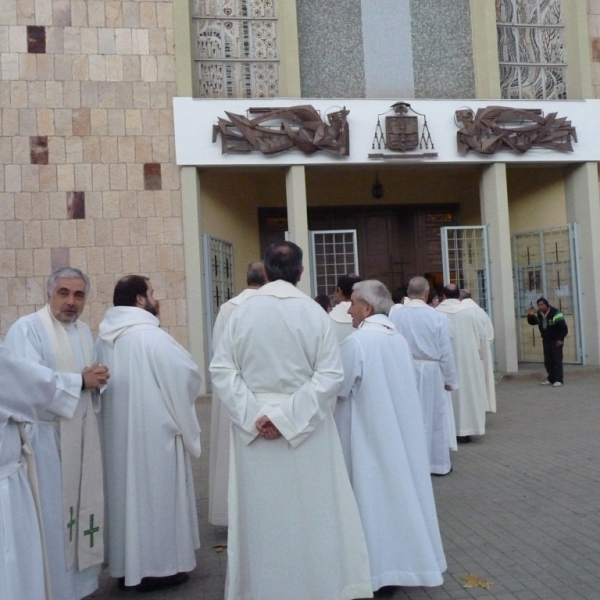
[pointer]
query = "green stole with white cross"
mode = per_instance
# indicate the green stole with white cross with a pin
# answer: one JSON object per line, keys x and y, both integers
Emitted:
{"x": 81, "y": 460}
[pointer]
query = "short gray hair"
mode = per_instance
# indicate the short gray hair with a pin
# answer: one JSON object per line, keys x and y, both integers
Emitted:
{"x": 375, "y": 293}
{"x": 418, "y": 286}
{"x": 69, "y": 273}
{"x": 465, "y": 294}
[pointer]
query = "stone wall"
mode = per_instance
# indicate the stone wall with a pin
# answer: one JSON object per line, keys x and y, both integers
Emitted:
{"x": 87, "y": 159}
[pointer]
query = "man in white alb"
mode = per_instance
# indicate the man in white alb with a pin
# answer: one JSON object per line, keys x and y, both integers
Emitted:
{"x": 468, "y": 337}
{"x": 379, "y": 420}
{"x": 294, "y": 527}
{"x": 25, "y": 388}
{"x": 220, "y": 423}
{"x": 426, "y": 331}
{"x": 150, "y": 433}
{"x": 342, "y": 322}
{"x": 65, "y": 437}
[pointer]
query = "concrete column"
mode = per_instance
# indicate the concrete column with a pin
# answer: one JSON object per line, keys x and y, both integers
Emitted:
{"x": 494, "y": 213}
{"x": 583, "y": 208}
{"x": 295, "y": 185}
{"x": 192, "y": 248}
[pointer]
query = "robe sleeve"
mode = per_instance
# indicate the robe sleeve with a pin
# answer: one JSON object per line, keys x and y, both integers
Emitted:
{"x": 21, "y": 339}
{"x": 447, "y": 362}
{"x": 352, "y": 364}
{"x": 299, "y": 415}
{"x": 179, "y": 380}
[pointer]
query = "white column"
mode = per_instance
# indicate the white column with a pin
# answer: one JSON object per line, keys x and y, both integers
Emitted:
{"x": 583, "y": 208}
{"x": 192, "y": 249}
{"x": 494, "y": 213}
{"x": 295, "y": 185}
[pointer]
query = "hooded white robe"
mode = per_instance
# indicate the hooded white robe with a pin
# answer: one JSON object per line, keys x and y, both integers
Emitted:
{"x": 28, "y": 338}
{"x": 488, "y": 354}
{"x": 341, "y": 321}
{"x": 381, "y": 428}
{"x": 426, "y": 332}
{"x": 294, "y": 527}
{"x": 220, "y": 424}
{"x": 150, "y": 431}
{"x": 25, "y": 388}
{"x": 468, "y": 337}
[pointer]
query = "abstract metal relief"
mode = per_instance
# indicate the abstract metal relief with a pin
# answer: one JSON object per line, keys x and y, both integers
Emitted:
{"x": 279, "y": 129}
{"x": 402, "y": 134}
{"x": 495, "y": 128}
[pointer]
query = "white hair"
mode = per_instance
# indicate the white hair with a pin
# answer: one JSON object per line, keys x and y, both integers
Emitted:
{"x": 418, "y": 286}
{"x": 373, "y": 292}
{"x": 68, "y": 273}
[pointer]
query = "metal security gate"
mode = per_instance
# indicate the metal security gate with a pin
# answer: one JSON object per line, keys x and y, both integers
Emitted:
{"x": 333, "y": 253}
{"x": 218, "y": 283}
{"x": 545, "y": 264}
{"x": 465, "y": 262}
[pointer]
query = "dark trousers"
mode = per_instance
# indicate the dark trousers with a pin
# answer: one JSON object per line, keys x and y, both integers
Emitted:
{"x": 553, "y": 361}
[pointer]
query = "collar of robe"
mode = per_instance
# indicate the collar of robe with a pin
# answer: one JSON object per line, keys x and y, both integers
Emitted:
{"x": 281, "y": 289}
{"x": 451, "y": 306}
{"x": 340, "y": 313}
{"x": 379, "y": 323}
{"x": 237, "y": 300}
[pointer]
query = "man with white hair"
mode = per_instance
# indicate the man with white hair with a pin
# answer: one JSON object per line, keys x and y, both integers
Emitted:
{"x": 426, "y": 332}
{"x": 380, "y": 424}
{"x": 65, "y": 437}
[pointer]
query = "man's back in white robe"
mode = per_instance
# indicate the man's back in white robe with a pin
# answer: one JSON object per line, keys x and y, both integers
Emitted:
{"x": 150, "y": 430}
{"x": 426, "y": 332}
{"x": 468, "y": 336}
{"x": 28, "y": 339}
{"x": 294, "y": 528}
{"x": 380, "y": 425}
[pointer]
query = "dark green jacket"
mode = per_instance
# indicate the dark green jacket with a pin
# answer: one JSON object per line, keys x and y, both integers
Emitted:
{"x": 556, "y": 327}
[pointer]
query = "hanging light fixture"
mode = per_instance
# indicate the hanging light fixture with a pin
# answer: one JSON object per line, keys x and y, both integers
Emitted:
{"x": 377, "y": 188}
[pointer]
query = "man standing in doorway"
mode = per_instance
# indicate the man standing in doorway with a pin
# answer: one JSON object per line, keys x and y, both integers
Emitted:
{"x": 150, "y": 432}
{"x": 341, "y": 320}
{"x": 65, "y": 437}
{"x": 554, "y": 330}
{"x": 294, "y": 527}
{"x": 220, "y": 423}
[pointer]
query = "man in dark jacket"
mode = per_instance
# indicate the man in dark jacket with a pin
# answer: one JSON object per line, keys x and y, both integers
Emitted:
{"x": 554, "y": 330}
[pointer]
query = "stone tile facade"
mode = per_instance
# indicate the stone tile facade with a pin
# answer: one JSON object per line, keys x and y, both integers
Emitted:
{"x": 87, "y": 157}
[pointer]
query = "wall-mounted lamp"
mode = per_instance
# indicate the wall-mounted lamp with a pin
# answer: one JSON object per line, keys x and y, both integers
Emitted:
{"x": 377, "y": 189}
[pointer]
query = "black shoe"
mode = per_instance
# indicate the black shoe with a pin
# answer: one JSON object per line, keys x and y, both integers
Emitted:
{"x": 442, "y": 474}
{"x": 387, "y": 591}
{"x": 151, "y": 584}
{"x": 463, "y": 439}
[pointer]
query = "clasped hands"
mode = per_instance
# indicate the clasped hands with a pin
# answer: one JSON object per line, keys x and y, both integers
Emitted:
{"x": 95, "y": 376}
{"x": 266, "y": 428}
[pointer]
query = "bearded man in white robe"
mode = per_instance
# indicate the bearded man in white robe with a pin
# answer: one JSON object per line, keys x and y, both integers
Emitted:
{"x": 488, "y": 352}
{"x": 294, "y": 527}
{"x": 65, "y": 436}
{"x": 220, "y": 423}
{"x": 150, "y": 433}
{"x": 468, "y": 337}
{"x": 426, "y": 332}
{"x": 342, "y": 322}
{"x": 25, "y": 388}
{"x": 380, "y": 424}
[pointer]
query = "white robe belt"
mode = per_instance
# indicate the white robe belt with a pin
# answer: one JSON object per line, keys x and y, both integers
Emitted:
{"x": 10, "y": 468}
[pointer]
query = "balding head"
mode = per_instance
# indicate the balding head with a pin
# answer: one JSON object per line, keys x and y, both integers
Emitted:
{"x": 418, "y": 288}
{"x": 451, "y": 291}
{"x": 255, "y": 275}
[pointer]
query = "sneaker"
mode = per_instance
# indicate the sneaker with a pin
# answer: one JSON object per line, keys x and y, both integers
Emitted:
{"x": 545, "y": 382}
{"x": 556, "y": 384}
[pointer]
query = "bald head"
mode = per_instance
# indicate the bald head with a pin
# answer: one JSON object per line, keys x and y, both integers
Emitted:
{"x": 451, "y": 291}
{"x": 418, "y": 288}
{"x": 255, "y": 275}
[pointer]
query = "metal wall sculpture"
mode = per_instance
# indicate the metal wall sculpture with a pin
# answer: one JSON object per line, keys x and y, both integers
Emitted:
{"x": 279, "y": 129}
{"x": 496, "y": 127}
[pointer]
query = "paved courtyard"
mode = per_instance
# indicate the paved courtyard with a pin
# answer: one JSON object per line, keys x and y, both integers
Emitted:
{"x": 521, "y": 509}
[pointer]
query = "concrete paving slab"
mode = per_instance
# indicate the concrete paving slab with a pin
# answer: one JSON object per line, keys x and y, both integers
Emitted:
{"x": 521, "y": 508}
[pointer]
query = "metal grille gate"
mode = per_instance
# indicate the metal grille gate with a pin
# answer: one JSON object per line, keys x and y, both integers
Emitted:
{"x": 545, "y": 264}
{"x": 465, "y": 261}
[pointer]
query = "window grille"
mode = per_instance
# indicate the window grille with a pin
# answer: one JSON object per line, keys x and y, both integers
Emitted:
{"x": 236, "y": 48}
{"x": 531, "y": 49}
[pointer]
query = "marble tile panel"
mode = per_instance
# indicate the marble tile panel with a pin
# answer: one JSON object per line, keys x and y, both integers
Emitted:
{"x": 81, "y": 121}
{"x": 156, "y": 233}
{"x": 95, "y": 260}
{"x": 145, "y": 204}
{"x": 74, "y": 149}
{"x": 14, "y": 234}
{"x": 53, "y": 93}
{"x": 93, "y": 205}
{"x": 106, "y": 40}
{"x": 55, "y": 40}
{"x": 56, "y": 150}
{"x": 170, "y": 177}
{"x": 45, "y": 66}
{"x": 83, "y": 177}
{"x": 126, "y": 149}
{"x": 124, "y": 94}
{"x": 103, "y": 228}
{"x": 37, "y": 94}
{"x": 135, "y": 177}
{"x": 81, "y": 68}
{"x": 166, "y": 122}
{"x": 23, "y": 206}
{"x": 140, "y": 41}
{"x": 173, "y": 230}
{"x": 113, "y": 259}
{"x": 89, "y": 94}
{"x": 6, "y": 150}
{"x": 4, "y": 95}
{"x": 79, "y": 261}
{"x": 86, "y": 232}
{"x": 118, "y": 177}
{"x": 164, "y": 257}
{"x": 114, "y": 68}
{"x": 147, "y": 259}
{"x": 97, "y": 67}
{"x": 5, "y": 39}
{"x": 157, "y": 41}
{"x": 114, "y": 14}
{"x": 123, "y": 43}
{"x": 143, "y": 149}
{"x": 9, "y": 12}
{"x": 65, "y": 177}
{"x": 147, "y": 15}
{"x": 12, "y": 178}
{"x": 151, "y": 122}
{"x": 59, "y": 257}
{"x": 100, "y": 177}
{"x": 91, "y": 149}
{"x": 9, "y": 66}
{"x": 61, "y": 13}
{"x": 63, "y": 121}
{"x": 164, "y": 15}
{"x": 96, "y": 14}
{"x": 99, "y": 121}
{"x": 111, "y": 206}
{"x": 24, "y": 258}
{"x": 20, "y": 154}
{"x": 133, "y": 122}
{"x": 45, "y": 121}
{"x": 14, "y": 38}
{"x": 43, "y": 12}
{"x": 17, "y": 288}
{"x": 18, "y": 94}
{"x": 25, "y": 12}
{"x": 50, "y": 234}
{"x": 166, "y": 68}
{"x": 131, "y": 14}
{"x": 121, "y": 237}
{"x": 89, "y": 40}
{"x": 158, "y": 94}
{"x": 7, "y": 206}
{"x": 138, "y": 232}
{"x": 72, "y": 40}
{"x": 141, "y": 94}
{"x": 116, "y": 122}
{"x": 40, "y": 201}
{"x": 176, "y": 203}
{"x": 48, "y": 182}
{"x": 131, "y": 259}
{"x": 149, "y": 68}
{"x": 27, "y": 121}
{"x": 160, "y": 149}
{"x": 108, "y": 150}
{"x": 128, "y": 204}
{"x": 30, "y": 178}
{"x": 41, "y": 262}
{"x": 10, "y": 121}
{"x": 63, "y": 67}
{"x": 38, "y": 150}
{"x": 27, "y": 67}
{"x": 131, "y": 68}
{"x": 33, "y": 234}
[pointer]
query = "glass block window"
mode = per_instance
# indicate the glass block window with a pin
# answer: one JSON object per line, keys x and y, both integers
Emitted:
{"x": 236, "y": 48}
{"x": 531, "y": 49}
